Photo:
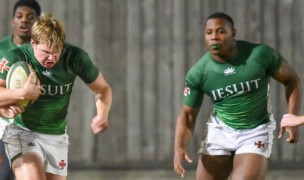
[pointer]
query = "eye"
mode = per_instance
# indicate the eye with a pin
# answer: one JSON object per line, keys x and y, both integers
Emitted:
{"x": 221, "y": 31}
{"x": 208, "y": 31}
{"x": 32, "y": 17}
{"x": 18, "y": 16}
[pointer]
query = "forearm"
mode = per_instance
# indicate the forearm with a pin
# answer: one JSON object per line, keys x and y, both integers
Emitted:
{"x": 183, "y": 134}
{"x": 9, "y": 97}
{"x": 103, "y": 104}
{"x": 294, "y": 97}
{"x": 185, "y": 126}
{"x": 103, "y": 101}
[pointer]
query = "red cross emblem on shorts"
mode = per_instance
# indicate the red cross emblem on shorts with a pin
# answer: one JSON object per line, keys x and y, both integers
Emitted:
{"x": 259, "y": 144}
{"x": 3, "y": 65}
{"x": 62, "y": 164}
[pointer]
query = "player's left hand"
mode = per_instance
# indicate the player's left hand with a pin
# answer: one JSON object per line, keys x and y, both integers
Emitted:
{"x": 99, "y": 124}
{"x": 11, "y": 111}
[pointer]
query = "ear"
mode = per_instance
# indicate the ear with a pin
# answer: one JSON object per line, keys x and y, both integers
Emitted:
{"x": 233, "y": 32}
{"x": 33, "y": 43}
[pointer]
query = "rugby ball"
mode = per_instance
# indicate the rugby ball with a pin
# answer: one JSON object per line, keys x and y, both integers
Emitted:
{"x": 17, "y": 77}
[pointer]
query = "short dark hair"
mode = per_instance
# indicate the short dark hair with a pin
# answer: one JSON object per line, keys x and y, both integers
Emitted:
{"x": 222, "y": 15}
{"x": 29, "y": 3}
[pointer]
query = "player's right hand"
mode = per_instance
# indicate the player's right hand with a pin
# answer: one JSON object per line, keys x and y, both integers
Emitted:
{"x": 179, "y": 155}
{"x": 32, "y": 87}
{"x": 99, "y": 124}
{"x": 290, "y": 120}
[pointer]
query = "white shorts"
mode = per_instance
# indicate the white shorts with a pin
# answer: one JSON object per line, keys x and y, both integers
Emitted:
{"x": 224, "y": 140}
{"x": 3, "y": 124}
{"x": 53, "y": 149}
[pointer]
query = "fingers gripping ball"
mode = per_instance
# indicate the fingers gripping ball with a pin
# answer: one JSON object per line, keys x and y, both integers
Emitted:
{"x": 17, "y": 77}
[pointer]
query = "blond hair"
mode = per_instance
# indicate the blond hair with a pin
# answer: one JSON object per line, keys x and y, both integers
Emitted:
{"x": 49, "y": 31}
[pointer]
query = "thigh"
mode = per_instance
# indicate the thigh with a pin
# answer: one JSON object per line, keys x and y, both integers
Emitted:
{"x": 28, "y": 166}
{"x": 214, "y": 167}
{"x": 55, "y": 148}
{"x": 249, "y": 166}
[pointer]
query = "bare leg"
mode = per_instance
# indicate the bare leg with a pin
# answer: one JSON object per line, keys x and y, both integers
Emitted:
{"x": 214, "y": 167}
{"x": 29, "y": 167}
{"x": 249, "y": 166}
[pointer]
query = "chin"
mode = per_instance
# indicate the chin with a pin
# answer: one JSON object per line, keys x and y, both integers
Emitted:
{"x": 25, "y": 35}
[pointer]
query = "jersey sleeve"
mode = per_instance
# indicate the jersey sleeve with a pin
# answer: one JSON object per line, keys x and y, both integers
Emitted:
{"x": 193, "y": 94}
{"x": 85, "y": 68}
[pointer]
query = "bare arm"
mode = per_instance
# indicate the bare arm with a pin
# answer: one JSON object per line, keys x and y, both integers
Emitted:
{"x": 184, "y": 130}
{"x": 30, "y": 91}
{"x": 288, "y": 76}
{"x": 103, "y": 97}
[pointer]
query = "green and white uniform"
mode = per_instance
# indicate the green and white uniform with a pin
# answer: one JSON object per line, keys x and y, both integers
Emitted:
{"x": 45, "y": 119}
{"x": 48, "y": 113}
{"x": 238, "y": 88}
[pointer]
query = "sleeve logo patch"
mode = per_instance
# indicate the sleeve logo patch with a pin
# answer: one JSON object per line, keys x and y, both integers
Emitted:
{"x": 186, "y": 91}
{"x": 3, "y": 65}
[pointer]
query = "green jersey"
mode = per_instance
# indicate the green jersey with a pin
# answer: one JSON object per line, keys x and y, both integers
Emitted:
{"x": 238, "y": 88}
{"x": 6, "y": 45}
{"x": 48, "y": 113}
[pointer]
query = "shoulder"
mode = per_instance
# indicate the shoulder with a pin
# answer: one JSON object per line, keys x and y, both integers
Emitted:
{"x": 260, "y": 50}
{"x": 204, "y": 61}
{"x": 199, "y": 68}
{"x": 6, "y": 40}
{"x": 18, "y": 53}
{"x": 255, "y": 47}
{"x": 70, "y": 48}
{"x": 6, "y": 44}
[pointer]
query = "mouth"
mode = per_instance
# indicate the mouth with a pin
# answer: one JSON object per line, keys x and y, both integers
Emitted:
{"x": 49, "y": 64}
{"x": 25, "y": 28}
{"x": 215, "y": 46}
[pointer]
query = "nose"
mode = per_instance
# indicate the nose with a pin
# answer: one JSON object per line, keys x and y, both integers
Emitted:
{"x": 25, "y": 19}
{"x": 51, "y": 57}
{"x": 214, "y": 35}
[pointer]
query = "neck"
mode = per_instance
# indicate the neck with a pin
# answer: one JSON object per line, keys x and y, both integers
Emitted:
{"x": 19, "y": 41}
{"x": 230, "y": 54}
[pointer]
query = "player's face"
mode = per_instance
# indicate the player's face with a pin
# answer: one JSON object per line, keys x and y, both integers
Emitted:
{"x": 44, "y": 55}
{"x": 219, "y": 36}
{"x": 23, "y": 20}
